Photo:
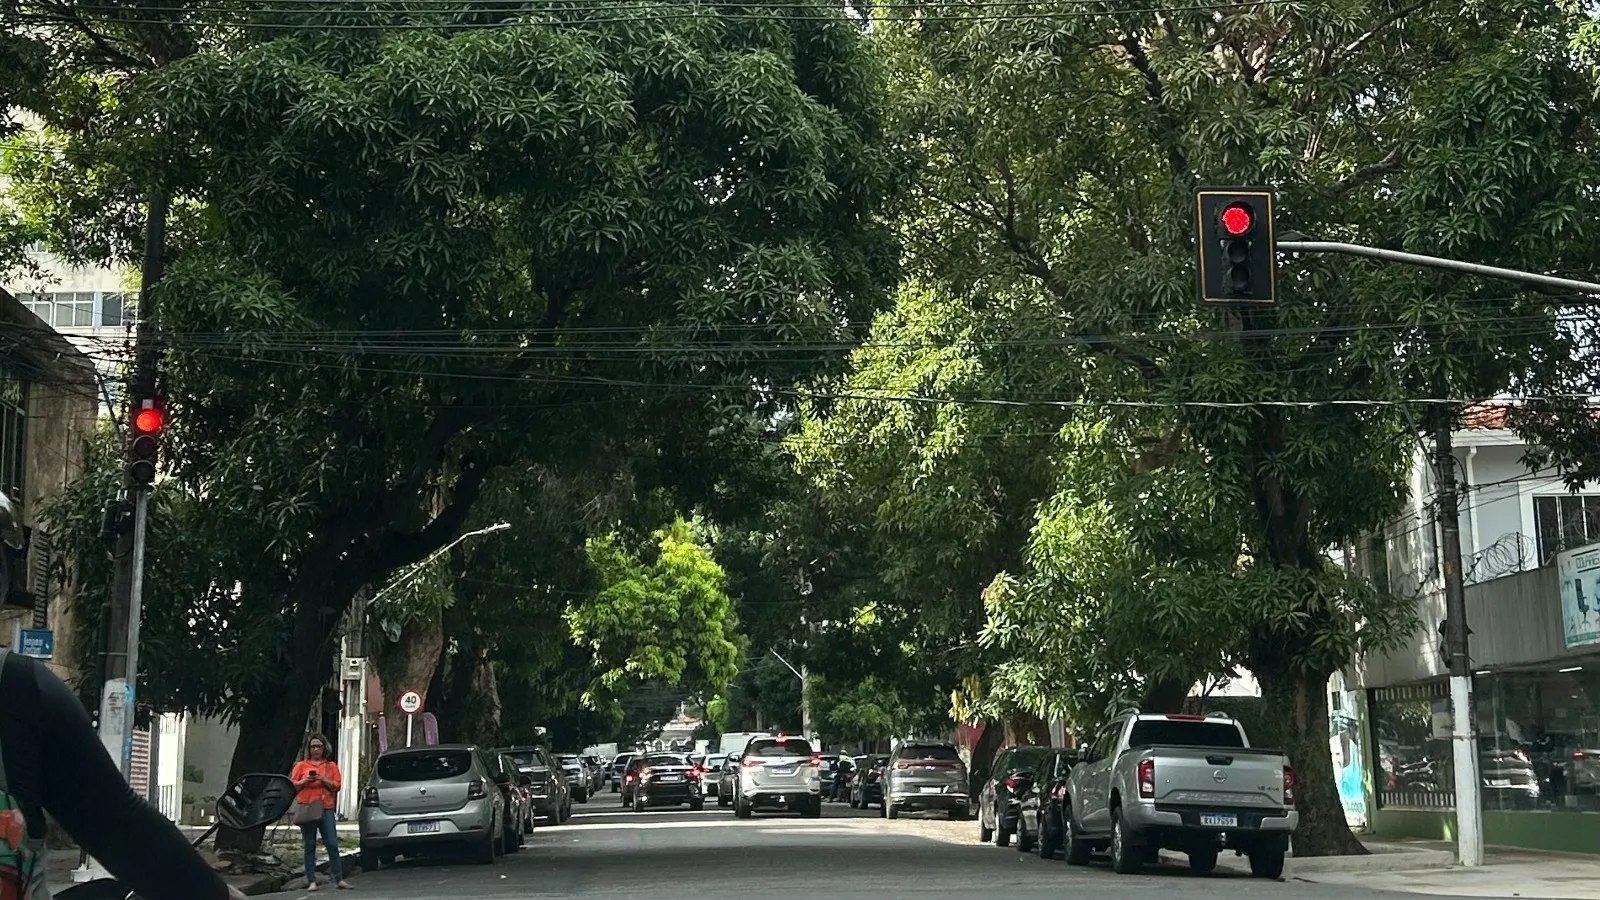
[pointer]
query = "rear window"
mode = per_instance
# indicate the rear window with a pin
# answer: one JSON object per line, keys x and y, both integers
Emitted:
{"x": 525, "y": 759}
{"x": 930, "y": 751}
{"x": 1194, "y": 734}
{"x": 1025, "y": 757}
{"x": 773, "y": 747}
{"x": 663, "y": 759}
{"x": 430, "y": 766}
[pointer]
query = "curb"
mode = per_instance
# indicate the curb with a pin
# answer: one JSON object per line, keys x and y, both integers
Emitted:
{"x": 268, "y": 884}
{"x": 1305, "y": 866}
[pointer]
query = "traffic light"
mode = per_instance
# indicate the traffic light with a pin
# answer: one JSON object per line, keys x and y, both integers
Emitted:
{"x": 1237, "y": 245}
{"x": 148, "y": 421}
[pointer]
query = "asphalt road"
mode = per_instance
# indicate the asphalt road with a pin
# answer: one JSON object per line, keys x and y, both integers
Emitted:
{"x": 669, "y": 854}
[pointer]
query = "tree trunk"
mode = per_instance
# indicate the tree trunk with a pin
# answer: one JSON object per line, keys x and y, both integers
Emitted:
{"x": 1294, "y": 718}
{"x": 421, "y": 643}
{"x": 1164, "y": 695}
{"x": 983, "y": 754}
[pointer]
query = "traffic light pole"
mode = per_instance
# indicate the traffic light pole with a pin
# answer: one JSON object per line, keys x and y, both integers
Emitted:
{"x": 1464, "y": 741}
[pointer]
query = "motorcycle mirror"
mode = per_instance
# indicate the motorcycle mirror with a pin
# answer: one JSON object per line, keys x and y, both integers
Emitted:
{"x": 255, "y": 800}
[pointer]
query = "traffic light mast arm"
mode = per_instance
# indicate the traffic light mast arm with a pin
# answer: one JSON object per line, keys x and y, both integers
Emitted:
{"x": 1439, "y": 262}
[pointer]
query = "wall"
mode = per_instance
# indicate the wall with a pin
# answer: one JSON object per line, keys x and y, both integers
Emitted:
{"x": 208, "y": 752}
{"x": 1562, "y": 832}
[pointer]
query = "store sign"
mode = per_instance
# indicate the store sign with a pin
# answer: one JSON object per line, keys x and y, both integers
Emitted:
{"x": 39, "y": 643}
{"x": 1579, "y": 573}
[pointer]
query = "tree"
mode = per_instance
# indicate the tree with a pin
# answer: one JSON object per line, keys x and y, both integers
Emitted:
{"x": 567, "y": 238}
{"x": 1053, "y": 206}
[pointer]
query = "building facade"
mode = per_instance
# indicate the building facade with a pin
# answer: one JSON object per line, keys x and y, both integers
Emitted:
{"x": 1536, "y": 660}
{"x": 47, "y": 418}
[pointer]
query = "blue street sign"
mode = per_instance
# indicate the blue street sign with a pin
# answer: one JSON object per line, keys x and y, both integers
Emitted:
{"x": 39, "y": 643}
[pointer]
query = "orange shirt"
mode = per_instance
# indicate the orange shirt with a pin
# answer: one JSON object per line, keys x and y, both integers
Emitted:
{"x": 311, "y": 793}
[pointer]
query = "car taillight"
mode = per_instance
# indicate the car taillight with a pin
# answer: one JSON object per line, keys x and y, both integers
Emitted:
{"x": 816, "y": 759}
{"x": 1147, "y": 779}
{"x": 475, "y": 789}
{"x": 752, "y": 763}
{"x": 646, "y": 773}
{"x": 369, "y": 797}
{"x": 1288, "y": 786}
{"x": 1578, "y": 754}
{"x": 696, "y": 773}
{"x": 1012, "y": 781}
{"x": 902, "y": 765}
{"x": 873, "y": 775}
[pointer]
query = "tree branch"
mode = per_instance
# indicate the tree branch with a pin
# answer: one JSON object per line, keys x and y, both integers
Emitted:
{"x": 1386, "y": 22}
{"x": 1157, "y": 93}
{"x": 1389, "y": 164}
{"x": 397, "y": 549}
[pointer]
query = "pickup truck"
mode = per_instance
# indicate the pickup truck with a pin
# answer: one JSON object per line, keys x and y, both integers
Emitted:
{"x": 1187, "y": 783}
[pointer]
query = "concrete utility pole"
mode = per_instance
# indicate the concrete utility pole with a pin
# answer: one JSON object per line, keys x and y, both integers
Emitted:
{"x": 119, "y": 655}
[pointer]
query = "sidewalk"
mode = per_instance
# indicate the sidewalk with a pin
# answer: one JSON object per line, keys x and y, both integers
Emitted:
{"x": 1507, "y": 872}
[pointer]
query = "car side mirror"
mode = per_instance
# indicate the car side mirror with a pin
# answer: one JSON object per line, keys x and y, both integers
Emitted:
{"x": 1084, "y": 754}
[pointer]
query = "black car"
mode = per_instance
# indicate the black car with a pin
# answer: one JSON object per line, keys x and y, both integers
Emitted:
{"x": 1001, "y": 798}
{"x": 619, "y": 769}
{"x": 867, "y": 786}
{"x": 1041, "y": 822}
{"x": 666, "y": 779}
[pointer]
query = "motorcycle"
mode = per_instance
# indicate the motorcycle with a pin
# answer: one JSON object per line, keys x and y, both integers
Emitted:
{"x": 250, "y": 802}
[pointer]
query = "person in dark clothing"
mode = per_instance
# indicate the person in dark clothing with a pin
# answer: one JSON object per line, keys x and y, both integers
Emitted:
{"x": 51, "y": 760}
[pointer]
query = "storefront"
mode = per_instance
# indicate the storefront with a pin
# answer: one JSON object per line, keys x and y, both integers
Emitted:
{"x": 1537, "y": 720}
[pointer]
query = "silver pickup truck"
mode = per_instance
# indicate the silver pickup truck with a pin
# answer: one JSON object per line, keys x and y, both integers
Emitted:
{"x": 1187, "y": 783}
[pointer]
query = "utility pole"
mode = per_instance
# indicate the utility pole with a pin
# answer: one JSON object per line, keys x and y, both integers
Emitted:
{"x": 119, "y": 656}
{"x": 1464, "y": 740}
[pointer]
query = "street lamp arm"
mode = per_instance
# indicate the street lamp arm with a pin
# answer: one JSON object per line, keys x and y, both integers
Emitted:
{"x": 786, "y": 663}
{"x": 417, "y": 567}
{"x": 1439, "y": 262}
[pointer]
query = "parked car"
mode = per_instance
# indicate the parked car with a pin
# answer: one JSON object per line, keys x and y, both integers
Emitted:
{"x": 711, "y": 777}
{"x": 596, "y": 768}
{"x": 1000, "y": 799}
{"x": 777, "y": 773}
{"x": 552, "y": 801}
{"x": 432, "y": 799}
{"x": 577, "y": 775}
{"x": 1187, "y": 783}
{"x": 924, "y": 775}
{"x": 666, "y": 779}
{"x": 517, "y": 792}
{"x": 619, "y": 767}
{"x": 1039, "y": 821}
{"x": 866, "y": 788}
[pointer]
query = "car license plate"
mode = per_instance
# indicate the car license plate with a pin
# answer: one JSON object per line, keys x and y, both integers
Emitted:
{"x": 422, "y": 828}
{"x": 932, "y": 790}
{"x": 1219, "y": 820}
{"x": 671, "y": 778}
{"x": 786, "y": 770}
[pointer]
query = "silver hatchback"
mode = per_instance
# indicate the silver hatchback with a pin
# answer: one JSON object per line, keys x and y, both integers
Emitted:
{"x": 432, "y": 799}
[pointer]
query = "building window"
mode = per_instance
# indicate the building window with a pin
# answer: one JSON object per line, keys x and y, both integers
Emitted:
{"x": 1565, "y": 521}
{"x": 1539, "y": 739}
{"x": 1411, "y": 743}
{"x": 13, "y": 433}
{"x": 78, "y": 309}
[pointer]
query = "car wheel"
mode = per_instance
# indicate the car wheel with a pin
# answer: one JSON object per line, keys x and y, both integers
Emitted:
{"x": 508, "y": 842}
{"x": 696, "y": 805}
{"x": 855, "y": 802}
{"x": 626, "y": 801}
{"x": 1267, "y": 863}
{"x": 1078, "y": 849}
{"x": 1126, "y": 859}
{"x": 1047, "y": 837}
{"x": 385, "y": 859}
{"x": 891, "y": 811}
{"x": 814, "y": 809}
{"x": 959, "y": 813}
{"x": 1026, "y": 843}
{"x": 638, "y": 805}
{"x": 741, "y": 808}
{"x": 723, "y": 800}
{"x": 486, "y": 854}
{"x": 368, "y": 861}
{"x": 1203, "y": 860}
{"x": 985, "y": 833}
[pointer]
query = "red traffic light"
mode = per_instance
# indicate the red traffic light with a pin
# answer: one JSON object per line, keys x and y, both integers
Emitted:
{"x": 149, "y": 420}
{"x": 1237, "y": 218}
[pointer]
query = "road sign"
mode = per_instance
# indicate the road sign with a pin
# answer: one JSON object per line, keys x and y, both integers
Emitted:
{"x": 39, "y": 643}
{"x": 411, "y": 703}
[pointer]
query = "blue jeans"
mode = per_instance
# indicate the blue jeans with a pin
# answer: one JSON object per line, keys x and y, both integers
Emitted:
{"x": 330, "y": 838}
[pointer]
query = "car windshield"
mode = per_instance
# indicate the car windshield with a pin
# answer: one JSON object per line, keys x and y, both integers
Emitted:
{"x": 570, "y": 761}
{"x": 429, "y": 765}
{"x": 1027, "y": 757}
{"x": 525, "y": 759}
{"x": 1150, "y": 732}
{"x": 930, "y": 751}
{"x": 790, "y": 747}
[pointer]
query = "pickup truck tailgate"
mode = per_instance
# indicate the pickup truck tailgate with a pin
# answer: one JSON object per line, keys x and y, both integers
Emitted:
{"x": 1214, "y": 776}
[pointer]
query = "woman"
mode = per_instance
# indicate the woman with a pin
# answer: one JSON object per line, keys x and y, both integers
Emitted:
{"x": 317, "y": 780}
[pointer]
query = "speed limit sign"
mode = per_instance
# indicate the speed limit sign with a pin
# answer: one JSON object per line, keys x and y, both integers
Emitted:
{"x": 410, "y": 703}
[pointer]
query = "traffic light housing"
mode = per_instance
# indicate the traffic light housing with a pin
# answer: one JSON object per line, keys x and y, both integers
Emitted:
{"x": 149, "y": 420}
{"x": 1237, "y": 243}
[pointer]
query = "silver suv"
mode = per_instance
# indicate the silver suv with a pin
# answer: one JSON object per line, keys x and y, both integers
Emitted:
{"x": 926, "y": 775}
{"x": 429, "y": 799}
{"x": 777, "y": 773}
